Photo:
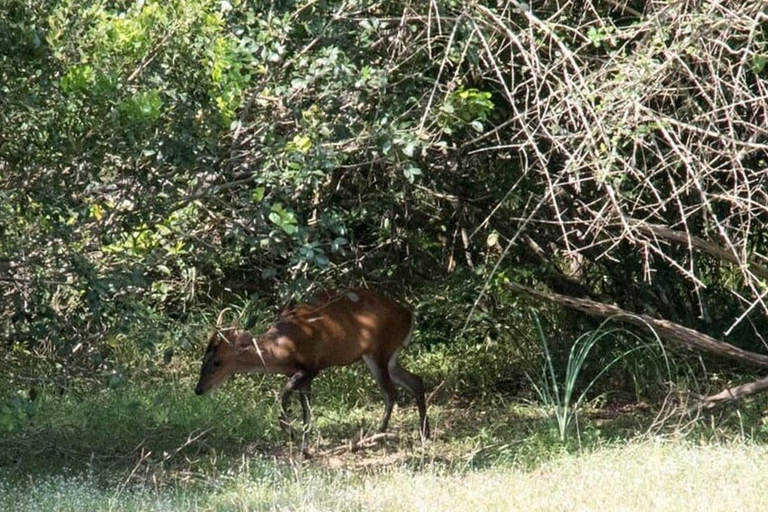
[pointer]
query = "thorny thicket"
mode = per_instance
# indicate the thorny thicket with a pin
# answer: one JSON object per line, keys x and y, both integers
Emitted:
{"x": 615, "y": 150}
{"x": 629, "y": 145}
{"x": 655, "y": 133}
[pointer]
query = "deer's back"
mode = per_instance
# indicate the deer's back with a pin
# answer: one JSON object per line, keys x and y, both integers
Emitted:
{"x": 338, "y": 330}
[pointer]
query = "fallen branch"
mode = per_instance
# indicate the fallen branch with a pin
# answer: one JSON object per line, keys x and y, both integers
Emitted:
{"x": 731, "y": 394}
{"x": 680, "y": 334}
{"x": 361, "y": 444}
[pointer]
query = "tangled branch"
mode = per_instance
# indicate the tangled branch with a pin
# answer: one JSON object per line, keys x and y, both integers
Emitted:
{"x": 641, "y": 129}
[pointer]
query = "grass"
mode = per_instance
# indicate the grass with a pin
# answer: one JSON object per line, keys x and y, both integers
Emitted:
{"x": 565, "y": 398}
{"x": 643, "y": 476}
{"x": 151, "y": 444}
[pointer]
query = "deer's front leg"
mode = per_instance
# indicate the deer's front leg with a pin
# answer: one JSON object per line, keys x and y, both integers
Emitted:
{"x": 299, "y": 381}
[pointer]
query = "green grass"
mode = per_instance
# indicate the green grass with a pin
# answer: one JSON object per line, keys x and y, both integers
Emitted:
{"x": 151, "y": 444}
{"x": 638, "y": 476}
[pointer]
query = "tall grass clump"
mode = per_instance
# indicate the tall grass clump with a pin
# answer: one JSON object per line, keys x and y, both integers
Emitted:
{"x": 564, "y": 397}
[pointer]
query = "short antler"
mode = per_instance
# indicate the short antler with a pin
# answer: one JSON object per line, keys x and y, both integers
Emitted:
{"x": 221, "y": 317}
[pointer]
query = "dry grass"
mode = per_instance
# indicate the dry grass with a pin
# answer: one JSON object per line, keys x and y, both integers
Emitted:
{"x": 643, "y": 476}
{"x": 160, "y": 447}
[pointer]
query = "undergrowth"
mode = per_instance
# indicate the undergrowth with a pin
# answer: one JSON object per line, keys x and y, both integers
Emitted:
{"x": 145, "y": 441}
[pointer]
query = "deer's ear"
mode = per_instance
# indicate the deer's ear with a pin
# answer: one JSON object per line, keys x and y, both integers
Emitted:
{"x": 244, "y": 340}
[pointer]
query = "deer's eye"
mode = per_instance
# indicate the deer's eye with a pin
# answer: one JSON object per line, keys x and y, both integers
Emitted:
{"x": 217, "y": 363}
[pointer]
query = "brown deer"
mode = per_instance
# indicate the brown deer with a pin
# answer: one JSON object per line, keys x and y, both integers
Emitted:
{"x": 337, "y": 330}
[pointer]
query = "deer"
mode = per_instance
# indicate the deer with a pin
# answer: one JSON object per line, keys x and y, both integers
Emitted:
{"x": 337, "y": 329}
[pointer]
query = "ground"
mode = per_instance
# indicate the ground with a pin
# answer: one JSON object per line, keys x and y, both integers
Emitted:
{"x": 156, "y": 446}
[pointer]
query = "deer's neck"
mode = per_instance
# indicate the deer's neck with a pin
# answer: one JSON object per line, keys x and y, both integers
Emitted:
{"x": 268, "y": 356}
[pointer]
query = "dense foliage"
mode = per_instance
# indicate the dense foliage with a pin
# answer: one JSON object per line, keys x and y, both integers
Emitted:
{"x": 158, "y": 158}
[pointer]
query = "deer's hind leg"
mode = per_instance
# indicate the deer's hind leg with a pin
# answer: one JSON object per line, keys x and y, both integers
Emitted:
{"x": 415, "y": 385}
{"x": 383, "y": 379}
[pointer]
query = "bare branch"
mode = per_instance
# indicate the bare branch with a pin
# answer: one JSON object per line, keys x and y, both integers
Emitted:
{"x": 732, "y": 394}
{"x": 680, "y": 334}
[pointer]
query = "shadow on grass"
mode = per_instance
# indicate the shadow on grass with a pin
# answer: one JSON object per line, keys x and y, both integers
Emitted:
{"x": 141, "y": 425}
{"x": 163, "y": 433}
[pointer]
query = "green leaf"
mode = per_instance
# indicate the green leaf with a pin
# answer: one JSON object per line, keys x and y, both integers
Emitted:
{"x": 97, "y": 211}
{"x": 759, "y": 61}
{"x": 300, "y": 143}
{"x": 77, "y": 79}
{"x": 338, "y": 243}
{"x": 411, "y": 172}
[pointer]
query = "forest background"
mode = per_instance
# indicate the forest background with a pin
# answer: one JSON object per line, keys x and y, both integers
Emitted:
{"x": 515, "y": 172}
